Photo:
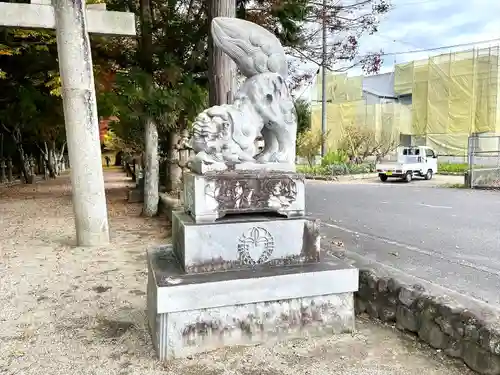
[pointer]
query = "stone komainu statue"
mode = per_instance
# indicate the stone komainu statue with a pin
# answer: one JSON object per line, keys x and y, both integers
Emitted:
{"x": 226, "y": 134}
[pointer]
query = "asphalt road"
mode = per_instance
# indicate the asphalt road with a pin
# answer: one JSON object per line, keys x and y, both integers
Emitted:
{"x": 450, "y": 237}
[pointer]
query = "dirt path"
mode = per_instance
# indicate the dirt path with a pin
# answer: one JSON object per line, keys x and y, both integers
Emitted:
{"x": 69, "y": 310}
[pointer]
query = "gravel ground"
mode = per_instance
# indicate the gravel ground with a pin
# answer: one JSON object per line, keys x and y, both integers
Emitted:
{"x": 70, "y": 310}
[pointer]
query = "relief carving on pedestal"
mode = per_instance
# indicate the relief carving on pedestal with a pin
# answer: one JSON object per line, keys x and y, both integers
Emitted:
{"x": 252, "y": 194}
{"x": 255, "y": 247}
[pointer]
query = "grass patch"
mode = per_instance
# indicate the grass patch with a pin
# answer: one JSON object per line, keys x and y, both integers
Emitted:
{"x": 455, "y": 186}
{"x": 458, "y": 168}
{"x": 340, "y": 169}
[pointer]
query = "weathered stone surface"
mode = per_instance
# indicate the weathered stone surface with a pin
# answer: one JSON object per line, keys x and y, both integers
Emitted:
{"x": 198, "y": 166}
{"x": 383, "y": 285}
{"x": 454, "y": 348}
{"x": 428, "y": 308}
{"x": 485, "y": 178}
{"x": 359, "y": 305}
{"x": 387, "y": 314}
{"x": 367, "y": 283}
{"x": 243, "y": 243}
{"x": 193, "y": 313}
{"x": 431, "y": 334}
{"x": 439, "y": 320}
{"x": 371, "y": 309}
{"x": 480, "y": 360}
{"x": 489, "y": 338}
{"x": 408, "y": 294}
{"x": 394, "y": 286}
{"x": 211, "y": 196}
{"x": 191, "y": 332}
{"x": 169, "y": 204}
{"x": 406, "y": 319}
{"x": 445, "y": 324}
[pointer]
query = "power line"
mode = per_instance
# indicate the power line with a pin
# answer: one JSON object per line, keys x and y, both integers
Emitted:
{"x": 400, "y": 41}
{"x": 413, "y": 3}
{"x": 418, "y": 51}
{"x": 308, "y": 84}
{"x": 433, "y": 48}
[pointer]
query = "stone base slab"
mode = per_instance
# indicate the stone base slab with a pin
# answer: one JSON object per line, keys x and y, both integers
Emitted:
{"x": 190, "y": 314}
{"x": 243, "y": 242}
{"x": 199, "y": 166}
{"x": 211, "y": 196}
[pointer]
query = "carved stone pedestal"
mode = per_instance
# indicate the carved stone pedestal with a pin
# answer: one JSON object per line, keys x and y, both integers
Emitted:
{"x": 213, "y": 195}
{"x": 239, "y": 273}
{"x": 245, "y": 264}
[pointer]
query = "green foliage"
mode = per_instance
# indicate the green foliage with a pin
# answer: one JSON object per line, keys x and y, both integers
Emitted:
{"x": 31, "y": 110}
{"x": 455, "y": 186}
{"x": 340, "y": 169}
{"x": 336, "y": 163}
{"x": 452, "y": 168}
{"x": 303, "y": 109}
{"x": 360, "y": 142}
{"x": 167, "y": 79}
{"x": 179, "y": 31}
{"x": 309, "y": 144}
{"x": 335, "y": 157}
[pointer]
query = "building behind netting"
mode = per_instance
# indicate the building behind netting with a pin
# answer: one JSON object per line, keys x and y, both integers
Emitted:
{"x": 436, "y": 102}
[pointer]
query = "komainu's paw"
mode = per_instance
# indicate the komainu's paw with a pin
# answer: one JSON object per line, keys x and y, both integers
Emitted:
{"x": 279, "y": 157}
{"x": 264, "y": 157}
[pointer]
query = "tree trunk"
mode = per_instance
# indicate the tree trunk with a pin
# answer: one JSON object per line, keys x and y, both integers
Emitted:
{"x": 151, "y": 170}
{"x": 51, "y": 163}
{"x": 221, "y": 69}
{"x": 22, "y": 159}
{"x": 49, "y": 159}
{"x": 58, "y": 158}
{"x": 17, "y": 137}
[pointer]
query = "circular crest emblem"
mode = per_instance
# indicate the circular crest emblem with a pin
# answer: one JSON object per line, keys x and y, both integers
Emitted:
{"x": 256, "y": 246}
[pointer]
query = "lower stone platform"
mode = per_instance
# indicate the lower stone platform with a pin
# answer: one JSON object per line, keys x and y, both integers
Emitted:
{"x": 194, "y": 313}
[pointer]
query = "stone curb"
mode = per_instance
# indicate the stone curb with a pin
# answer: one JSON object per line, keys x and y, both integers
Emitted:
{"x": 441, "y": 322}
{"x": 360, "y": 176}
{"x": 20, "y": 182}
{"x": 168, "y": 204}
{"x": 11, "y": 183}
{"x": 345, "y": 177}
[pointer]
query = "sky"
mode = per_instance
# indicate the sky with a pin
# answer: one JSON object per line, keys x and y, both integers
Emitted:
{"x": 423, "y": 24}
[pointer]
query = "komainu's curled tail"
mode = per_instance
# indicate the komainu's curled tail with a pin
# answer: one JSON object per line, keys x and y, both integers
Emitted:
{"x": 254, "y": 49}
{"x": 262, "y": 105}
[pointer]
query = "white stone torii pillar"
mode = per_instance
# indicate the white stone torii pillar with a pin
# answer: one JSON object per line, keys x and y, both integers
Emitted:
{"x": 72, "y": 21}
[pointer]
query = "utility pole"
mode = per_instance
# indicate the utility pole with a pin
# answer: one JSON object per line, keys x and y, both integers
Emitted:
{"x": 323, "y": 85}
{"x": 221, "y": 69}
